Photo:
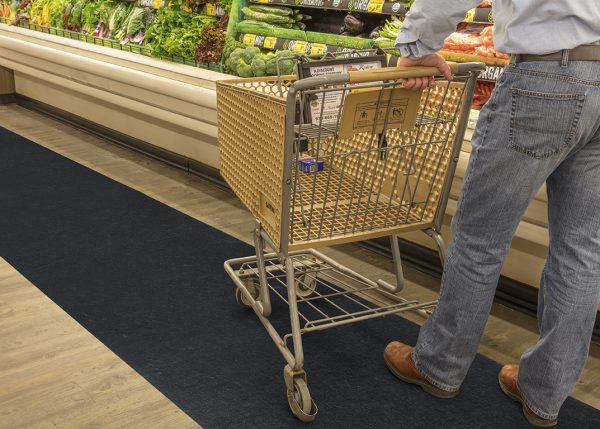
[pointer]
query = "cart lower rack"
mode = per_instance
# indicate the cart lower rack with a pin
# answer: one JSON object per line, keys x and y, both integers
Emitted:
{"x": 333, "y": 159}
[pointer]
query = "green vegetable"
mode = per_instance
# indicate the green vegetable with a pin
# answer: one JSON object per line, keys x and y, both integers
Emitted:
{"x": 265, "y": 24}
{"x": 212, "y": 41}
{"x": 275, "y": 10}
{"x": 57, "y": 9}
{"x": 89, "y": 16}
{"x": 302, "y": 17}
{"x": 267, "y": 17}
{"x": 117, "y": 17}
{"x": 74, "y": 19}
{"x": 259, "y": 67}
{"x": 135, "y": 22}
{"x": 231, "y": 45}
{"x": 234, "y": 59}
{"x": 175, "y": 33}
{"x": 299, "y": 26}
{"x": 249, "y": 53}
{"x": 286, "y": 66}
{"x": 244, "y": 69}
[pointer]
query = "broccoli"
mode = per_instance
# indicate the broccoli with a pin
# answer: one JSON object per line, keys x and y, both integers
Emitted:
{"x": 286, "y": 66}
{"x": 249, "y": 53}
{"x": 259, "y": 66}
{"x": 244, "y": 69}
{"x": 233, "y": 60}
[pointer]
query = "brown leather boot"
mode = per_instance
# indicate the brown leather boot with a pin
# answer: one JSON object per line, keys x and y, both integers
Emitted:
{"x": 508, "y": 383}
{"x": 398, "y": 359}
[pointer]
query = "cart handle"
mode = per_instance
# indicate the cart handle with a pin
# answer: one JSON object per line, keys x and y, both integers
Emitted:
{"x": 376, "y": 75}
{"x": 395, "y": 73}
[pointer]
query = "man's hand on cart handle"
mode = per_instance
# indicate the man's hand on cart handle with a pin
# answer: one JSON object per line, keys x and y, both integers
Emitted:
{"x": 433, "y": 60}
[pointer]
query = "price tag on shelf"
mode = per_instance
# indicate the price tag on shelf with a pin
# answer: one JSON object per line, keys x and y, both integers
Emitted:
{"x": 300, "y": 46}
{"x": 318, "y": 49}
{"x": 269, "y": 42}
{"x": 187, "y": 9}
{"x": 249, "y": 39}
{"x": 156, "y": 4}
{"x": 210, "y": 9}
{"x": 261, "y": 1}
{"x": 375, "y": 6}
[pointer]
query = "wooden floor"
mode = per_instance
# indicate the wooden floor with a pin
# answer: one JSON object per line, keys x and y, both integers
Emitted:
{"x": 54, "y": 373}
{"x": 508, "y": 333}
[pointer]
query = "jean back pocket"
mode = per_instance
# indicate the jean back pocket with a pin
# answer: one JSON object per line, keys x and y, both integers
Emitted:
{"x": 543, "y": 124}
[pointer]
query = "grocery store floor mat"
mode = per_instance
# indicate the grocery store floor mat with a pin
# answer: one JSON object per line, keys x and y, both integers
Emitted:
{"x": 148, "y": 281}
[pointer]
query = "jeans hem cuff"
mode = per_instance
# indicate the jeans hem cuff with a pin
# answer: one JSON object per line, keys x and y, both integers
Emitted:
{"x": 431, "y": 380}
{"x": 535, "y": 409}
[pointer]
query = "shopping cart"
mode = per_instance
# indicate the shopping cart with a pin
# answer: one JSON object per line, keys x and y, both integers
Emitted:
{"x": 328, "y": 160}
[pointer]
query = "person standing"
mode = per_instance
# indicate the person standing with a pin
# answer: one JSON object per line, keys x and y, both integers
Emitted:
{"x": 541, "y": 125}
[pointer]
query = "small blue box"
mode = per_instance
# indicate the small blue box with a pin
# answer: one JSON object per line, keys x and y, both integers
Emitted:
{"x": 310, "y": 165}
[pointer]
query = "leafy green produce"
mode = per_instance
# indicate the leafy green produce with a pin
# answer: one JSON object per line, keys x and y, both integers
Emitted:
{"x": 391, "y": 28}
{"x": 118, "y": 17}
{"x": 135, "y": 22}
{"x": 286, "y": 65}
{"x": 89, "y": 17}
{"x": 57, "y": 8}
{"x": 175, "y": 33}
{"x": 212, "y": 41}
{"x": 74, "y": 19}
{"x": 226, "y": 4}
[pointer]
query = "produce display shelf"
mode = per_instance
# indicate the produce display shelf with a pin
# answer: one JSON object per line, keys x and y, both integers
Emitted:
{"x": 304, "y": 36}
{"x": 368, "y": 6}
{"x": 109, "y": 43}
{"x": 212, "y": 9}
{"x": 298, "y": 46}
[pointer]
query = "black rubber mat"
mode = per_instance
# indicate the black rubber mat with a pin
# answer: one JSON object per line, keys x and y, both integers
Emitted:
{"x": 148, "y": 281}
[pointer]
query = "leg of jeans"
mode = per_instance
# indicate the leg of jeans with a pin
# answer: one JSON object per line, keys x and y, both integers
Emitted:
{"x": 570, "y": 287}
{"x": 498, "y": 187}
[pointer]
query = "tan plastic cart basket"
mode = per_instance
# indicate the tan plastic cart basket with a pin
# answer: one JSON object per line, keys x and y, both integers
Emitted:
{"x": 252, "y": 135}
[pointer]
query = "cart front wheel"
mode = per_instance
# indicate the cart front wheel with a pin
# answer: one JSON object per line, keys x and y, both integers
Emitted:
{"x": 306, "y": 284}
{"x": 253, "y": 286}
{"x": 300, "y": 401}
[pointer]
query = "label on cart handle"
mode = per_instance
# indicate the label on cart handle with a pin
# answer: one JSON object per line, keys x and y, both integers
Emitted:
{"x": 371, "y": 110}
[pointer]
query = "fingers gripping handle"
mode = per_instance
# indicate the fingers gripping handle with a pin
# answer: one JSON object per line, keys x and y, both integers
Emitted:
{"x": 395, "y": 73}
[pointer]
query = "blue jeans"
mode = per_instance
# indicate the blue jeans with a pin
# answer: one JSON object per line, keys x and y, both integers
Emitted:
{"x": 542, "y": 124}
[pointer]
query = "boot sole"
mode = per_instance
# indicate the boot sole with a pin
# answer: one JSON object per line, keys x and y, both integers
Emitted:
{"x": 532, "y": 418}
{"x": 426, "y": 386}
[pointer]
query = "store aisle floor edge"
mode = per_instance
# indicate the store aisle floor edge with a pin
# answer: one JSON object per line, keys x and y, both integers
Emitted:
{"x": 164, "y": 304}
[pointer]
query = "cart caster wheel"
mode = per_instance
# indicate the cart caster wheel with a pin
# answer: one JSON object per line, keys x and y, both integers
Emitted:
{"x": 306, "y": 285}
{"x": 253, "y": 287}
{"x": 300, "y": 401}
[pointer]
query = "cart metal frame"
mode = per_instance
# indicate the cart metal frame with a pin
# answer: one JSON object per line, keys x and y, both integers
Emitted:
{"x": 320, "y": 292}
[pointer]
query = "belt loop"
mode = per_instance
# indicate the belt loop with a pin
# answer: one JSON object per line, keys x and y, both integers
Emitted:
{"x": 564, "y": 62}
{"x": 514, "y": 59}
